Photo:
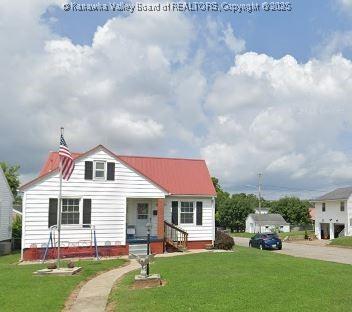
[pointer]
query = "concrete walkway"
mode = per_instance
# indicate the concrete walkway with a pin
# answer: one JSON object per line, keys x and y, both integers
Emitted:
{"x": 309, "y": 250}
{"x": 93, "y": 296}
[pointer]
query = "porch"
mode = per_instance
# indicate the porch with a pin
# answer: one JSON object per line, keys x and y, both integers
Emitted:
{"x": 140, "y": 212}
{"x": 163, "y": 234}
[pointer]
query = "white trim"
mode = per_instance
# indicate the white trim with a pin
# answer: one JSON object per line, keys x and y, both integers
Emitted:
{"x": 95, "y": 178}
{"x": 80, "y": 206}
{"x": 24, "y": 198}
{"x": 16, "y": 211}
{"x": 179, "y": 212}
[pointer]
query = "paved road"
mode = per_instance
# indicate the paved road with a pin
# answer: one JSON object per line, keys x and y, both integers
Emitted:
{"x": 334, "y": 254}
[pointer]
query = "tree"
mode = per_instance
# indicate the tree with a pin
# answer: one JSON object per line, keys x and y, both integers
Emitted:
{"x": 235, "y": 210}
{"x": 293, "y": 209}
{"x": 221, "y": 197}
{"x": 12, "y": 176}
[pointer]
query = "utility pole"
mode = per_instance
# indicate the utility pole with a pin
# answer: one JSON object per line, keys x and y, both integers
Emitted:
{"x": 260, "y": 197}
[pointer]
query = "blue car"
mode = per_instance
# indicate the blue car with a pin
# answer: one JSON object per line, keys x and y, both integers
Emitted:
{"x": 266, "y": 241}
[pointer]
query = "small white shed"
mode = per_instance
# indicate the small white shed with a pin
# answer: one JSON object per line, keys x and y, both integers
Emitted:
{"x": 267, "y": 222}
{"x": 6, "y": 204}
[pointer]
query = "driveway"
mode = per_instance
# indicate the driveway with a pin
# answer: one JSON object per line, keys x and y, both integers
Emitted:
{"x": 311, "y": 251}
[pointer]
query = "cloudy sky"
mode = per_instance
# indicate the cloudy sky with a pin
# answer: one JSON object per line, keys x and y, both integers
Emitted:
{"x": 249, "y": 93}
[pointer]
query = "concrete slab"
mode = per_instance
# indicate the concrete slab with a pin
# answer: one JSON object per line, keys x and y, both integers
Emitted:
{"x": 61, "y": 271}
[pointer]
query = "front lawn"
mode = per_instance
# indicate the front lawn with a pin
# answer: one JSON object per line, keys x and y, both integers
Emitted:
{"x": 20, "y": 290}
{"x": 246, "y": 280}
{"x": 342, "y": 241}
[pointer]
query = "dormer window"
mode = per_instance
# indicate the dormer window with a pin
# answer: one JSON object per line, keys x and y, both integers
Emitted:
{"x": 99, "y": 170}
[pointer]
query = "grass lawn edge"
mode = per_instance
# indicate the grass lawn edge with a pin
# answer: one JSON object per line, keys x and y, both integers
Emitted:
{"x": 74, "y": 293}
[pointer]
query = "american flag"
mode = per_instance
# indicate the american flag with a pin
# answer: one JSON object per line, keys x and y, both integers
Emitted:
{"x": 66, "y": 159}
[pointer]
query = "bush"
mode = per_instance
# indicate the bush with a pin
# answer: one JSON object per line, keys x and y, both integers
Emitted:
{"x": 16, "y": 233}
{"x": 17, "y": 227}
{"x": 223, "y": 241}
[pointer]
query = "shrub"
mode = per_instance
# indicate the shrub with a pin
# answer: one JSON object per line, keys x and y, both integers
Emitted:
{"x": 223, "y": 241}
{"x": 17, "y": 227}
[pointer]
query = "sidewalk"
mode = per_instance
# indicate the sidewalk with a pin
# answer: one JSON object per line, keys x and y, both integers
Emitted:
{"x": 93, "y": 296}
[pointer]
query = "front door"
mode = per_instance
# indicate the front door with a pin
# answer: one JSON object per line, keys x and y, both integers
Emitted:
{"x": 142, "y": 219}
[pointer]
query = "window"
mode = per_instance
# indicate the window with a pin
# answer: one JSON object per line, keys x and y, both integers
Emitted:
{"x": 142, "y": 211}
{"x": 99, "y": 170}
{"x": 70, "y": 211}
{"x": 323, "y": 207}
{"x": 186, "y": 214}
{"x": 342, "y": 206}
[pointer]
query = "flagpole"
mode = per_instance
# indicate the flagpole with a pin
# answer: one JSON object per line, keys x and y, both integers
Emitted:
{"x": 59, "y": 209}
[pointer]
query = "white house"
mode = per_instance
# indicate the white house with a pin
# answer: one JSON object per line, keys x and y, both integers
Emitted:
{"x": 261, "y": 210}
{"x": 118, "y": 196}
{"x": 266, "y": 222}
{"x": 333, "y": 214}
{"x": 6, "y": 202}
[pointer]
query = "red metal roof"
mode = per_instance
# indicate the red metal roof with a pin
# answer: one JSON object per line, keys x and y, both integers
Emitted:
{"x": 52, "y": 162}
{"x": 175, "y": 175}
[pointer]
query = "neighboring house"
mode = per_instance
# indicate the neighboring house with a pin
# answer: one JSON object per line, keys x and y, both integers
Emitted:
{"x": 333, "y": 214}
{"x": 261, "y": 223}
{"x": 119, "y": 195}
{"x": 261, "y": 210}
{"x": 6, "y": 202}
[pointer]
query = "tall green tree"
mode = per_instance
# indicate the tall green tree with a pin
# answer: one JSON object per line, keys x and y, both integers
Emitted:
{"x": 235, "y": 210}
{"x": 221, "y": 195}
{"x": 293, "y": 209}
{"x": 12, "y": 175}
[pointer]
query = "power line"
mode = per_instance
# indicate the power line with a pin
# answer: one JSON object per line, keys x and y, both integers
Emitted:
{"x": 287, "y": 188}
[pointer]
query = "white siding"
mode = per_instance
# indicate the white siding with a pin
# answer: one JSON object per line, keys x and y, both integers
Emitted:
{"x": 332, "y": 215}
{"x": 206, "y": 231}
{"x": 6, "y": 204}
{"x": 348, "y": 231}
{"x": 253, "y": 227}
{"x": 250, "y": 225}
{"x": 108, "y": 202}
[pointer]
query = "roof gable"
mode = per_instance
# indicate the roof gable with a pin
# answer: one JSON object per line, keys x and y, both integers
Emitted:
{"x": 268, "y": 218}
{"x": 337, "y": 194}
{"x": 173, "y": 175}
{"x": 3, "y": 177}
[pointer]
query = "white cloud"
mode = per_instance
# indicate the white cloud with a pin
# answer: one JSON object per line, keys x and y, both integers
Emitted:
{"x": 235, "y": 44}
{"x": 346, "y": 4}
{"x": 282, "y": 118}
{"x": 142, "y": 88}
{"x": 337, "y": 42}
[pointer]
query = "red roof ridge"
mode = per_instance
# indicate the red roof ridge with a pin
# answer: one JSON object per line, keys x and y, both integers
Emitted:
{"x": 160, "y": 157}
{"x": 141, "y": 156}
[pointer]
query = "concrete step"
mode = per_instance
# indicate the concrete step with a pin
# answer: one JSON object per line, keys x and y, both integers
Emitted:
{"x": 138, "y": 249}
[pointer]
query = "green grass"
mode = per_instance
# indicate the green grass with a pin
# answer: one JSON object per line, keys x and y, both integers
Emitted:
{"x": 342, "y": 241}
{"x": 246, "y": 280}
{"x": 20, "y": 290}
{"x": 297, "y": 234}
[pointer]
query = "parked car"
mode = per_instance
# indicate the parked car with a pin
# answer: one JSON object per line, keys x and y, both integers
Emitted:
{"x": 266, "y": 241}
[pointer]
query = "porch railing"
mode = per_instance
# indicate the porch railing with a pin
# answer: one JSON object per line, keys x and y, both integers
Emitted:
{"x": 175, "y": 236}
